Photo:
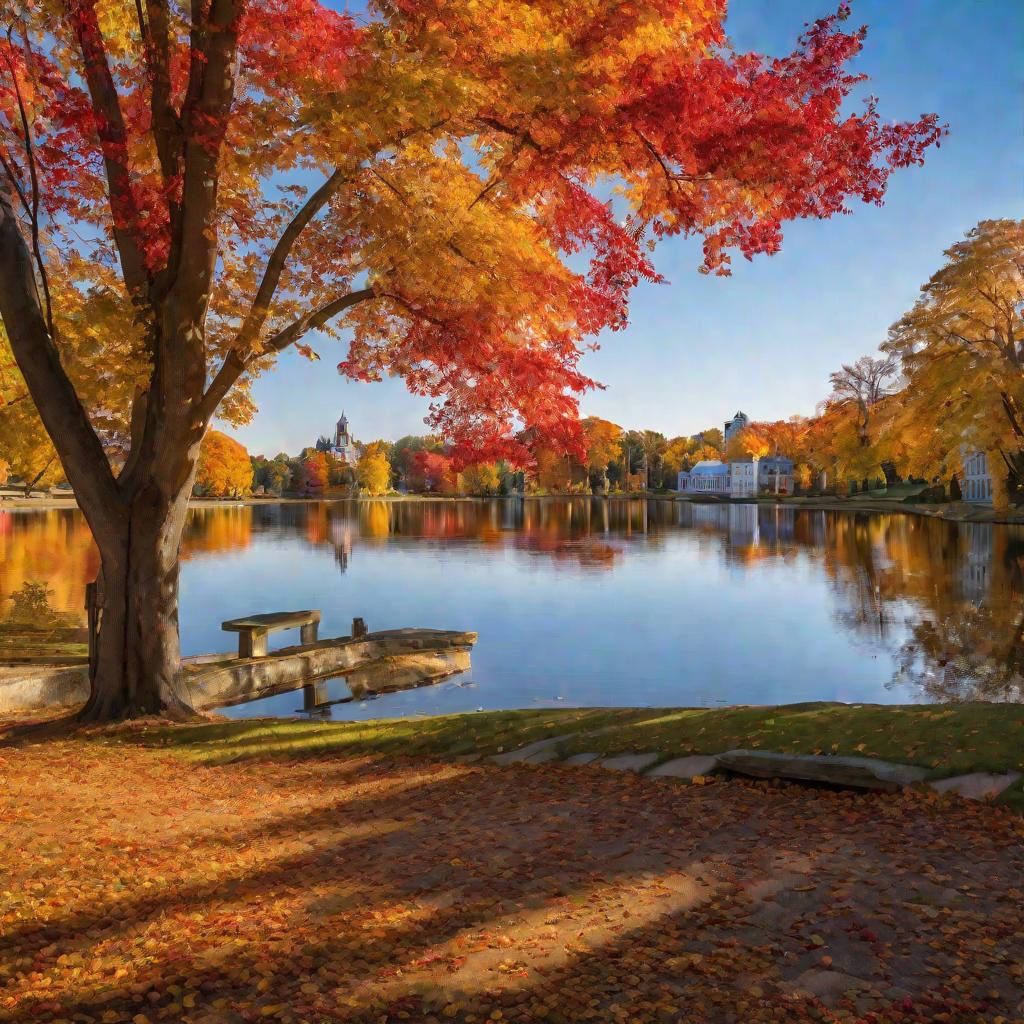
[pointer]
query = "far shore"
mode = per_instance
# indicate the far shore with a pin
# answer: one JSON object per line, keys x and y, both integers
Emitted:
{"x": 958, "y": 511}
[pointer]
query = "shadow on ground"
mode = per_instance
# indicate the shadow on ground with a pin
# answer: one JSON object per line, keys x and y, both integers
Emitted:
{"x": 138, "y": 887}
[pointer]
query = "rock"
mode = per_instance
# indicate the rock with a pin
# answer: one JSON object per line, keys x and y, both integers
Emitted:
{"x": 858, "y": 772}
{"x": 586, "y": 758}
{"x": 527, "y": 752}
{"x": 976, "y": 785}
{"x": 629, "y": 762}
{"x": 687, "y": 767}
{"x": 828, "y": 986}
{"x": 543, "y": 756}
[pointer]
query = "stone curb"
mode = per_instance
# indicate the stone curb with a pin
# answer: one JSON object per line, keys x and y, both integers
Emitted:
{"x": 865, "y": 773}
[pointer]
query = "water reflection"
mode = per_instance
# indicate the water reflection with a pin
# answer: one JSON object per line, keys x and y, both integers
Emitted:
{"x": 616, "y": 601}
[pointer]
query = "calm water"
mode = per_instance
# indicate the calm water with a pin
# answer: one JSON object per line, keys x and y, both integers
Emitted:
{"x": 595, "y": 602}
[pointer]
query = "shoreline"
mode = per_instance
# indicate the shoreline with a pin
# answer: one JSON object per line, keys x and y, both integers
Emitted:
{"x": 956, "y": 512}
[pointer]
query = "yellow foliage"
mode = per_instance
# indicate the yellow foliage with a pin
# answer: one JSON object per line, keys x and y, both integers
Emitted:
{"x": 373, "y": 471}
{"x": 224, "y": 467}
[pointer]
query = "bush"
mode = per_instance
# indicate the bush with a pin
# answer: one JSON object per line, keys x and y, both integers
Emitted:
{"x": 31, "y": 608}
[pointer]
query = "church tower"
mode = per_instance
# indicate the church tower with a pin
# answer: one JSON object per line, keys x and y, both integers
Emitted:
{"x": 341, "y": 438}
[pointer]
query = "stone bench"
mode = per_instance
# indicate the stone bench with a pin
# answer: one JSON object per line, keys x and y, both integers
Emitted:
{"x": 253, "y": 630}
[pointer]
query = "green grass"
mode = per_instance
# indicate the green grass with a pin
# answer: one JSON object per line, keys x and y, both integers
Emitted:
{"x": 947, "y": 739}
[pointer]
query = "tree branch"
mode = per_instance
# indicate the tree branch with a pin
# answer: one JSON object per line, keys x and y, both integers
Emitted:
{"x": 275, "y": 265}
{"x": 59, "y": 406}
{"x": 113, "y": 143}
{"x": 204, "y": 122}
{"x": 235, "y": 363}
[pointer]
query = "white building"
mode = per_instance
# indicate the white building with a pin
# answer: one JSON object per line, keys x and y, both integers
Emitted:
{"x": 709, "y": 476}
{"x": 739, "y": 422}
{"x": 976, "y": 485}
{"x": 743, "y": 477}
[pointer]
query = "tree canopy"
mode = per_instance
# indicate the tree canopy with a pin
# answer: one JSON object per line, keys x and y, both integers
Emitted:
{"x": 462, "y": 159}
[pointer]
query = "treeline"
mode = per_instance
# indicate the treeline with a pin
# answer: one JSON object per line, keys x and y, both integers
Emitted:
{"x": 949, "y": 380}
{"x": 227, "y": 470}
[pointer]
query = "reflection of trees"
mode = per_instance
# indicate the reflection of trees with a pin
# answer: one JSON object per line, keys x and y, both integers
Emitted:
{"x": 214, "y": 530}
{"x": 53, "y": 548}
{"x": 973, "y": 649}
{"x": 959, "y": 588}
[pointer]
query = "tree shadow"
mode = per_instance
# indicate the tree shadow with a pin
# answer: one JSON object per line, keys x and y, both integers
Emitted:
{"x": 365, "y": 890}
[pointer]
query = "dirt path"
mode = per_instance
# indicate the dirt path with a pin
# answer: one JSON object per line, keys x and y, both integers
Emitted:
{"x": 136, "y": 887}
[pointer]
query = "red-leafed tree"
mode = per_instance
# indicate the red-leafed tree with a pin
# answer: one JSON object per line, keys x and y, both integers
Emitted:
{"x": 436, "y": 470}
{"x": 231, "y": 175}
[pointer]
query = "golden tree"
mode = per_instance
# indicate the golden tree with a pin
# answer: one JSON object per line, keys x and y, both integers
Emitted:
{"x": 225, "y": 469}
{"x": 373, "y": 471}
{"x": 962, "y": 352}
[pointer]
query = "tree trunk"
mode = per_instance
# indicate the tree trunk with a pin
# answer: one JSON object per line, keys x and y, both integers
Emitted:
{"x": 138, "y": 670}
{"x": 1000, "y": 492}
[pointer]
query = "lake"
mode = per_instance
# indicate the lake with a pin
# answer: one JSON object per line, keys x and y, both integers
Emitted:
{"x": 599, "y": 601}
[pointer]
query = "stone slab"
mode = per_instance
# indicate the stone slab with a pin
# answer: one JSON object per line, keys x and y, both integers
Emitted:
{"x": 551, "y": 754}
{"x": 856, "y": 772}
{"x": 976, "y": 785}
{"x": 828, "y": 986}
{"x": 629, "y": 762}
{"x": 36, "y": 687}
{"x": 527, "y": 752}
{"x": 686, "y": 767}
{"x": 585, "y": 758}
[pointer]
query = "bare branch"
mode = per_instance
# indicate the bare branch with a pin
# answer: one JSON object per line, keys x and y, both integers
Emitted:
{"x": 275, "y": 265}
{"x": 236, "y": 363}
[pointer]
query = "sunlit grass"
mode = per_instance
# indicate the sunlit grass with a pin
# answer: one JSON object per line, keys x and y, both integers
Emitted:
{"x": 948, "y": 739}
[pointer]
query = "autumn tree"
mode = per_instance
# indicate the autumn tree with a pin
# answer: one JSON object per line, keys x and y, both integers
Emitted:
{"x": 312, "y": 475}
{"x": 961, "y": 349}
{"x": 237, "y": 174}
{"x": 678, "y": 455}
{"x": 861, "y": 385}
{"x": 225, "y": 469}
{"x": 25, "y": 449}
{"x": 436, "y": 471}
{"x": 601, "y": 438}
{"x": 481, "y": 478}
{"x": 273, "y": 475}
{"x": 373, "y": 471}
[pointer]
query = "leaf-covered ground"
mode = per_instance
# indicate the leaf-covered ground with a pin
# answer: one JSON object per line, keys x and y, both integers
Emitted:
{"x": 135, "y": 886}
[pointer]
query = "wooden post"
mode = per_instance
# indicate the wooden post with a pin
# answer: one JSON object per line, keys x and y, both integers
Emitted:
{"x": 308, "y": 632}
{"x": 252, "y": 643}
{"x": 358, "y": 629}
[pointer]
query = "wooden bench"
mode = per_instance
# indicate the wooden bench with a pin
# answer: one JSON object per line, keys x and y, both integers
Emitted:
{"x": 253, "y": 630}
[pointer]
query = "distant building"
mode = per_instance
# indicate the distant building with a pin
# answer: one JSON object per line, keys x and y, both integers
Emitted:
{"x": 977, "y": 480}
{"x": 775, "y": 474}
{"x": 743, "y": 477}
{"x": 343, "y": 446}
{"x": 709, "y": 476}
{"x": 739, "y": 422}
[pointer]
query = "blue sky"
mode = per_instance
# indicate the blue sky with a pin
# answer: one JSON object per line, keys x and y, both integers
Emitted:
{"x": 765, "y": 339}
